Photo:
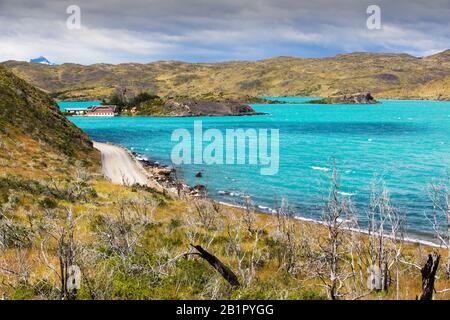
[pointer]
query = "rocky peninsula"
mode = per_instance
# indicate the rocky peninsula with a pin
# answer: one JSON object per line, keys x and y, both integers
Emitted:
{"x": 355, "y": 98}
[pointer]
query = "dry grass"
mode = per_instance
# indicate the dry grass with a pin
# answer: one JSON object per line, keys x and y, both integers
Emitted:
{"x": 346, "y": 73}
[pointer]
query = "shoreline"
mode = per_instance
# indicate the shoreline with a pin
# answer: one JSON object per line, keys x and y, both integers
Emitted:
{"x": 173, "y": 116}
{"x": 407, "y": 239}
{"x": 169, "y": 183}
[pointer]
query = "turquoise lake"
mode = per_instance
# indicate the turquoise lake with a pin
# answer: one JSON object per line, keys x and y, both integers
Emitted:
{"x": 406, "y": 143}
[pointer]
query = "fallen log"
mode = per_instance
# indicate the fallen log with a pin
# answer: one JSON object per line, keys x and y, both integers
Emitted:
{"x": 226, "y": 273}
{"x": 428, "y": 276}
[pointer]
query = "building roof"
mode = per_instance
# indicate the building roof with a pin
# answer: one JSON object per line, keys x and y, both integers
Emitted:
{"x": 101, "y": 112}
{"x": 76, "y": 109}
{"x": 107, "y": 108}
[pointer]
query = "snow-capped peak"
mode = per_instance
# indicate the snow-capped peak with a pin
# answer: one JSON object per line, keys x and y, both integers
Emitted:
{"x": 41, "y": 60}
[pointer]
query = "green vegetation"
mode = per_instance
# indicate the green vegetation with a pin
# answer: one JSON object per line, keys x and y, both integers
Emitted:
{"x": 57, "y": 214}
{"x": 145, "y": 104}
{"x": 142, "y": 104}
{"x": 25, "y": 110}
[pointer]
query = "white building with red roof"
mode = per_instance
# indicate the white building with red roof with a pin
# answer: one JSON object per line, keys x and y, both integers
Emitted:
{"x": 102, "y": 111}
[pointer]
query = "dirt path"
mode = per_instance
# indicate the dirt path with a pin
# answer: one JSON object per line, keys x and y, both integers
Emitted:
{"x": 120, "y": 168}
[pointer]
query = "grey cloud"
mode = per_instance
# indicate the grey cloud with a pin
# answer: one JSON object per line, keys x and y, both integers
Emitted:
{"x": 217, "y": 30}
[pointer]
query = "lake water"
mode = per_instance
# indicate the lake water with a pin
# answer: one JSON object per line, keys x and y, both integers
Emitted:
{"x": 406, "y": 143}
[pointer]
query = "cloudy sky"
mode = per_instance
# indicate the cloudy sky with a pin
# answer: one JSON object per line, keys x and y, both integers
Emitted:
{"x": 216, "y": 30}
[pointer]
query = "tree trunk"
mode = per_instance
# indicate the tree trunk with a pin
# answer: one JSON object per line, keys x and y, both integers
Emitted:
{"x": 333, "y": 274}
{"x": 428, "y": 276}
{"x": 226, "y": 273}
{"x": 448, "y": 235}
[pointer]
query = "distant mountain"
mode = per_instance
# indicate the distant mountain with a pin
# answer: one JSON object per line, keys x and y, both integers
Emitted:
{"x": 42, "y": 60}
{"x": 382, "y": 74}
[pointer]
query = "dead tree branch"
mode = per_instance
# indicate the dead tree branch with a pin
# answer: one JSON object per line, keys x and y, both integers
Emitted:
{"x": 226, "y": 273}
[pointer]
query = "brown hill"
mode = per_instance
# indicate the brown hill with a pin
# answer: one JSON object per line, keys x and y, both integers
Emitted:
{"x": 344, "y": 73}
{"x": 438, "y": 89}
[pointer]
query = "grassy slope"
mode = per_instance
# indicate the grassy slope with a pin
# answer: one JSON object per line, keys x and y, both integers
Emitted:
{"x": 129, "y": 242}
{"x": 438, "y": 89}
{"x": 27, "y": 111}
{"x": 346, "y": 73}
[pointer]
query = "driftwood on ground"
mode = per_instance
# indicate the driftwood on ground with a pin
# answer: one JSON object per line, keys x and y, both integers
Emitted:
{"x": 226, "y": 273}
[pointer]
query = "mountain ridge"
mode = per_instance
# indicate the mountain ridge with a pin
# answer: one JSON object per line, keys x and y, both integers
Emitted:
{"x": 380, "y": 73}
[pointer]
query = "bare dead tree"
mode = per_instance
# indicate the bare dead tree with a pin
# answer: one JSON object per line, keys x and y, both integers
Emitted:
{"x": 357, "y": 250}
{"x": 378, "y": 218}
{"x": 440, "y": 216}
{"x": 249, "y": 216}
{"x": 122, "y": 232}
{"x": 332, "y": 250}
{"x": 428, "y": 276}
{"x": 125, "y": 180}
{"x": 13, "y": 233}
{"x": 97, "y": 273}
{"x": 247, "y": 260}
{"x": 397, "y": 232}
{"x": 294, "y": 245}
{"x": 18, "y": 237}
{"x": 16, "y": 269}
{"x": 205, "y": 212}
{"x": 66, "y": 251}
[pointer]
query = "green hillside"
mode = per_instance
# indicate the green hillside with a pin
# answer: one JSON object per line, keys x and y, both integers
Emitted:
{"x": 28, "y": 112}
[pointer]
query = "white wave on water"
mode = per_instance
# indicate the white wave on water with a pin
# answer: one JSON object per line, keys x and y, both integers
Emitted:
{"x": 348, "y": 171}
{"x": 141, "y": 158}
{"x": 233, "y": 194}
{"x": 320, "y": 168}
{"x": 347, "y": 194}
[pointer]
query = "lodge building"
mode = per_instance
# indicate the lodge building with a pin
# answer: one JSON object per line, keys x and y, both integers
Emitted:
{"x": 94, "y": 111}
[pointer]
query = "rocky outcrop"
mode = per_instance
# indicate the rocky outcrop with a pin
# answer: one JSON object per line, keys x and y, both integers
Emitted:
{"x": 194, "y": 108}
{"x": 356, "y": 98}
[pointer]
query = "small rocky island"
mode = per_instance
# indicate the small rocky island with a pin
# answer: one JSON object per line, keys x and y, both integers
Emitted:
{"x": 146, "y": 104}
{"x": 355, "y": 98}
